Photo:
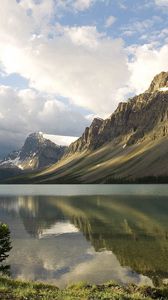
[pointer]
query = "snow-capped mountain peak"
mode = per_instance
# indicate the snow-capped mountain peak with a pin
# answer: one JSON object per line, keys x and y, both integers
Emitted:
{"x": 37, "y": 152}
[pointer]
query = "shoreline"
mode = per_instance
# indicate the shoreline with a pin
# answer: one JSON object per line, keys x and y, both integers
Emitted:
{"x": 28, "y": 290}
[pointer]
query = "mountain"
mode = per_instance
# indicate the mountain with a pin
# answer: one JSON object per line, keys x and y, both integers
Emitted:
{"x": 36, "y": 153}
{"x": 129, "y": 146}
{"x": 144, "y": 116}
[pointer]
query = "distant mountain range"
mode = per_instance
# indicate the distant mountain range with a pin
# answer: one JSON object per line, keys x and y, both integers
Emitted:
{"x": 129, "y": 146}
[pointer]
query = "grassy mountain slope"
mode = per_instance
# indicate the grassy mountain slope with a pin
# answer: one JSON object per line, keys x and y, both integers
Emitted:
{"x": 137, "y": 161}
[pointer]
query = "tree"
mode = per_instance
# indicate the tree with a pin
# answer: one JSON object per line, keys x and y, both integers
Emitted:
{"x": 5, "y": 247}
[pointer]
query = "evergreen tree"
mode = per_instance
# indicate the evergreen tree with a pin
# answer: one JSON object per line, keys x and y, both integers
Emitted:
{"x": 5, "y": 247}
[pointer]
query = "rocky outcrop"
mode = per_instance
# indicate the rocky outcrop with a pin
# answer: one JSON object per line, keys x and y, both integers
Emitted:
{"x": 160, "y": 81}
{"x": 144, "y": 116}
{"x": 89, "y": 138}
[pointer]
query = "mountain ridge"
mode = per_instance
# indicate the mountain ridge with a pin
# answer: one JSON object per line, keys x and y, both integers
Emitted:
{"x": 125, "y": 123}
{"x": 129, "y": 145}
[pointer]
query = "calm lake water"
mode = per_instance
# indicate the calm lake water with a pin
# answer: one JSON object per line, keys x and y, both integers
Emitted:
{"x": 68, "y": 233}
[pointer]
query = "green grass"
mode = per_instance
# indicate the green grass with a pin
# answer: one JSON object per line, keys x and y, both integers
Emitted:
{"x": 20, "y": 290}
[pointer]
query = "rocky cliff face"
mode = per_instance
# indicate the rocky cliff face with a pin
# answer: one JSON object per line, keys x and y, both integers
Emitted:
{"x": 88, "y": 138}
{"x": 37, "y": 152}
{"x": 159, "y": 82}
{"x": 143, "y": 117}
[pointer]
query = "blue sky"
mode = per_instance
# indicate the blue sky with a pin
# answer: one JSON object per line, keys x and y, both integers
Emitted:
{"x": 127, "y": 13}
{"x": 64, "y": 62}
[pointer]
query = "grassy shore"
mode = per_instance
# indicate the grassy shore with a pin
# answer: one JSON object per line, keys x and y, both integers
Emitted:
{"x": 18, "y": 290}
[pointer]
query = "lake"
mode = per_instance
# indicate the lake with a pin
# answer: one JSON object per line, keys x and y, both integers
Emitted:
{"x": 69, "y": 233}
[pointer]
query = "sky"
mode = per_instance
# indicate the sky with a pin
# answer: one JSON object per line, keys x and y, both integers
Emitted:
{"x": 64, "y": 62}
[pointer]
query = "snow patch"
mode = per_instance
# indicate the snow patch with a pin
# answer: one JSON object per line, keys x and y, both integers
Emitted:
{"x": 163, "y": 89}
{"x": 13, "y": 162}
{"x": 60, "y": 139}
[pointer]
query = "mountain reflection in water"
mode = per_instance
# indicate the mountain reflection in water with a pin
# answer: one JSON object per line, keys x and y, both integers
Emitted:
{"x": 96, "y": 238}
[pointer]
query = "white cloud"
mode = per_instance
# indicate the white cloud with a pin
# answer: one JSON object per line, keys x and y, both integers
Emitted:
{"x": 145, "y": 27}
{"x": 91, "y": 271}
{"x": 147, "y": 62}
{"x": 46, "y": 262}
{"x": 44, "y": 7}
{"x": 83, "y": 36}
{"x": 110, "y": 21}
{"x": 26, "y": 111}
{"x": 59, "y": 228}
{"x": 83, "y": 4}
{"x": 79, "y": 63}
{"x": 76, "y": 5}
{"x": 161, "y": 2}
